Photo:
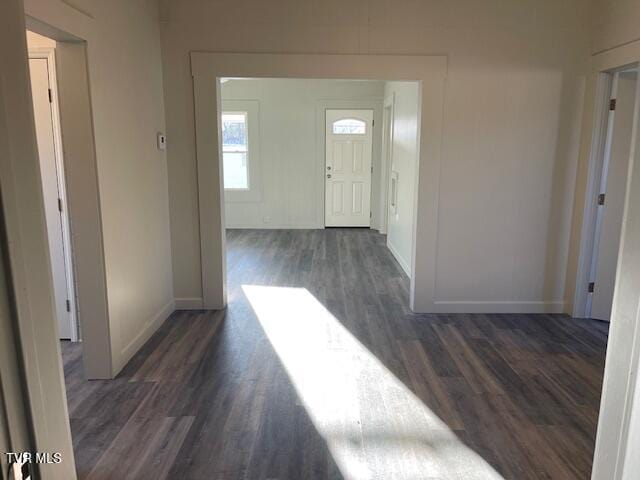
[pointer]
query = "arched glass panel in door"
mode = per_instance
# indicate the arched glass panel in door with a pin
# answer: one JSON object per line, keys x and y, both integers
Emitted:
{"x": 349, "y": 126}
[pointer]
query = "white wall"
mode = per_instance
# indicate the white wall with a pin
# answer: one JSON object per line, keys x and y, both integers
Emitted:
{"x": 38, "y": 41}
{"x": 123, "y": 51}
{"x": 617, "y": 22}
{"x": 404, "y": 153}
{"x": 292, "y": 148}
{"x": 513, "y": 97}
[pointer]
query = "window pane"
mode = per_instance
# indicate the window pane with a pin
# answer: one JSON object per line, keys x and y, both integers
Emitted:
{"x": 235, "y": 150}
{"x": 234, "y": 130}
{"x": 349, "y": 126}
{"x": 236, "y": 174}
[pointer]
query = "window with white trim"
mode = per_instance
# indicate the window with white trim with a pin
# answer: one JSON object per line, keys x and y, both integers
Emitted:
{"x": 235, "y": 150}
{"x": 240, "y": 129}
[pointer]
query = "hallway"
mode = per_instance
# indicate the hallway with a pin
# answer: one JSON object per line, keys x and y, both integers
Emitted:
{"x": 239, "y": 394}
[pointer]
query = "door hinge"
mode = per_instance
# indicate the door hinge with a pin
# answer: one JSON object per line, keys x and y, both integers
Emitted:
{"x": 60, "y": 205}
{"x": 50, "y": 97}
{"x": 373, "y": 123}
{"x": 612, "y": 104}
{"x": 370, "y": 214}
{"x": 591, "y": 287}
{"x": 68, "y": 306}
{"x": 601, "y": 199}
{"x": 371, "y": 168}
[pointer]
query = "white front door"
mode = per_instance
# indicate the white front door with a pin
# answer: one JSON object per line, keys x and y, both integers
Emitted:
{"x": 43, "y": 116}
{"x": 348, "y": 168}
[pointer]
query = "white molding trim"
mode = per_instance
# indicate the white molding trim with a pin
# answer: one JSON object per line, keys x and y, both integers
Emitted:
{"x": 616, "y": 58}
{"x": 594, "y": 130}
{"x": 321, "y": 105}
{"x": 48, "y": 54}
{"x": 312, "y": 66}
{"x": 386, "y": 161}
{"x": 208, "y": 67}
{"x": 150, "y": 327}
{"x": 399, "y": 258}
{"x": 25, "y": 234}
{"x": 621, "y": 362}
{"x": 189, "y": 303}
{"x": 454, "y": 306}
{"x": 278, "y": 226}
{"x": 78, "y": 8}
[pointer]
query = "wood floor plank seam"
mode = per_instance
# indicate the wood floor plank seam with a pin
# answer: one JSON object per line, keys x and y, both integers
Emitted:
{"x": 230, "y": 395}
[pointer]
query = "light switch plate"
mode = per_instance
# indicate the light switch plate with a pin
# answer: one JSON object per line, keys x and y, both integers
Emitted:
{"x": 162, "y": 141}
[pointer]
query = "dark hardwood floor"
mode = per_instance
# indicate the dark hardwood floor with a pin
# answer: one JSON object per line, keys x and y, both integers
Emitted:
{"x": 333, "y": 377}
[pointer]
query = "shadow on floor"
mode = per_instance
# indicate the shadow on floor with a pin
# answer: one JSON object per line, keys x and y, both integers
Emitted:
{"x": 324, "y": 373}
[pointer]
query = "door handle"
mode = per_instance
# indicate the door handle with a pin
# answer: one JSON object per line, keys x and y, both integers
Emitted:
{"x": 328, "y": 175}
{"x": 328, "y": 167}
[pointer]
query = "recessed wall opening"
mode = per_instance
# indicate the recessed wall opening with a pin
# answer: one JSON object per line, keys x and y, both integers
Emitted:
{"x": 308, "y": 154}
{"x": 209, "y": 73}
{"x": 44, "y": 90}
{"x": 614, "y": 137}
{"x": 62, "y": 115}
{"x": 606, "y": 272}
{"x": 64, "y": 128}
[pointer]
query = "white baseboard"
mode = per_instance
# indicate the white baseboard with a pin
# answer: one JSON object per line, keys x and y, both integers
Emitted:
{"x": 189, "y": 303}
{"x": 284, "y": 227}
{"x": 403, "y": 263}
{"x": 274, "y": 227}
{"x": 149, "y": 329}
{"x": 498, "y": 307}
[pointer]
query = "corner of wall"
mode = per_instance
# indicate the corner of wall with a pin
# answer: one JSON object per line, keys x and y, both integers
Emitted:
{"x": 149, "y": 328}
{"x": 189, "y": 303}
{"x": 399, "y": 258}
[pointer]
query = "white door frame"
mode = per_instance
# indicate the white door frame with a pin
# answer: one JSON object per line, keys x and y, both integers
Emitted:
{"x": 623, "y": 349}
{"x": 599, "y": 184}
{"x": 386, "y": 159}
{"x": 48, "y": 54}
{"x": 207, "y": 69}
{"x": 321, "y": 107}
{"x": 597, "y": 148}
{"x": 327, "y": 135}
{"x": 26, "y": 238}
{"x": 598, "y": 154}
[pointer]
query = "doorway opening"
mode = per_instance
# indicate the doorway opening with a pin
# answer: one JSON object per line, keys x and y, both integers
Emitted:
{"x": 616, "y": 124}
{"x": 424, "y": 76}
{"x": 44, "y": 91}
{"x": 316, "y": 153}
{"x": 66, "y": 149}
{"x": 62, "y": 113}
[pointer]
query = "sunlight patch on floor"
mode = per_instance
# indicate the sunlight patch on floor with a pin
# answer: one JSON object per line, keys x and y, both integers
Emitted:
{"x": 374, "y": 426}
